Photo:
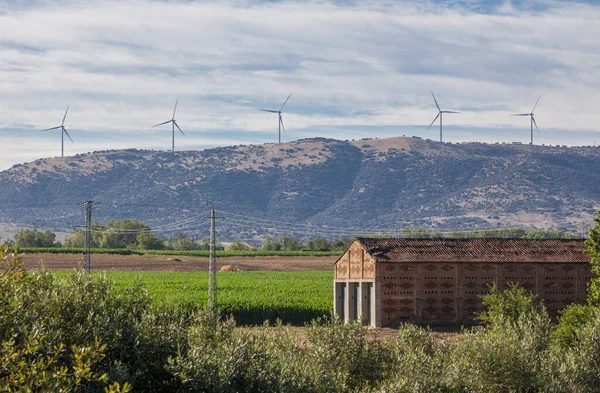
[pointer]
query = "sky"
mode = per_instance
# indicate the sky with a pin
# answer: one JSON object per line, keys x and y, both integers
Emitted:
{"x": 356, "y": 69}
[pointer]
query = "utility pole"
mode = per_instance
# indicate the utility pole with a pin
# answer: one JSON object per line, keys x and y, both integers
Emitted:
{"x": 87, "y": 245}
{"x": 212, "y": 266}
{"x": 212, "y": 263}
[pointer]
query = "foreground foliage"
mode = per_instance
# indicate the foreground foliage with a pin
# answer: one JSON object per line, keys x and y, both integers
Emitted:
{"x": 81, "y": 333}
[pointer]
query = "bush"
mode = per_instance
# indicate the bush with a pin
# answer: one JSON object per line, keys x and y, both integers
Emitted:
{"x": 149, "y": 241}
{"x": 120, "y": 333}
{"x": 31, "y": 357}
{"x": 508, "y": 356}
{"x": 575, "y": 369}
{"x": 571, "y": 320}
{"x": 508, "y": 305}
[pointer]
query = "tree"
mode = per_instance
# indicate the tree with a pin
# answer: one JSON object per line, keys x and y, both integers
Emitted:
{"x": 593, "y": 249}
{"x": 239, "y": 246}
{"x": 508, "y": 305}
{"x": 122, "y": 233}
{"x": 341, "y": 244}
{"x": 35, "y": 238}
{"x": 182, "y": 242}
{"x": 291, "y": 244}
{"x": 149, "y": 241}
{"x": 271, "y": 244}
{"x": 77, "y": 240}
{"x": 204, "y": 244}
{"x": 318, "y": 244}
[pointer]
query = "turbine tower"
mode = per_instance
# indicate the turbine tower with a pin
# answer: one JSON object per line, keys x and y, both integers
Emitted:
{"x": 279, "y": 113}
{"x": 440, "y": 113}
{"x": 63, "y": 131}
{"x": 173, "y": 125}
{"x": 532, "y": 118}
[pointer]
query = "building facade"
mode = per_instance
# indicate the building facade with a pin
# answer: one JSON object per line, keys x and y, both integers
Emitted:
{"x": 386, "y": 282}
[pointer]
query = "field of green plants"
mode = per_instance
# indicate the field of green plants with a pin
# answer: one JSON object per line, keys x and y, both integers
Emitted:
{"x": 220, "y": 253}
{"x": 251, "y": 297}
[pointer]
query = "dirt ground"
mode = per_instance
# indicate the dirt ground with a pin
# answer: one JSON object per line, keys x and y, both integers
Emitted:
{"x": 140, "y": 263}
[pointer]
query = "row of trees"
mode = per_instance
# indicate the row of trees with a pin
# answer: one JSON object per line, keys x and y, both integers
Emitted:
{"x": 132, "y": 233}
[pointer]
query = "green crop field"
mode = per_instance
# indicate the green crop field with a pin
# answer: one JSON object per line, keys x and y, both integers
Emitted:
{"x": 252, "y": 297}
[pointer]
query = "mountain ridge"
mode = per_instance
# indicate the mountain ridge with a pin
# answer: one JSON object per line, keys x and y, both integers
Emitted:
{"x": 383, "y": 184}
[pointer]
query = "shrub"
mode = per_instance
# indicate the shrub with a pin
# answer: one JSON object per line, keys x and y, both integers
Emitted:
{"x": 575, "y": 369}
{"x": 508, "y": 305}
{"x": 342, "y": 358}
{"x": 508, "y": 356}
{"x": 572, "y": 319}
{"x": 418, "y": 362}
{"x": 31, "y": 360}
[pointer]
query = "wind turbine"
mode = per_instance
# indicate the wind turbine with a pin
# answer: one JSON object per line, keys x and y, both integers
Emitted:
{"x": 279, "y": 113}
{"x": 440, "y": 113}
{"x": 173, "y": 125}
{"x": 63, "y": 131}
{"x": 532, "y": 121}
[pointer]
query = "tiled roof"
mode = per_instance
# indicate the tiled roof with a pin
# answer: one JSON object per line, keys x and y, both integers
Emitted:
{"x": 475, "y": 250}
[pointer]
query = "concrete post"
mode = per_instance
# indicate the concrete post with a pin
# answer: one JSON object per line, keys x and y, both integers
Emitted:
{"x": 338, "y": 299}
{"x": 348, "y": 303}
{"x": 365, "y": 303}
{"x": 376, "y": 304}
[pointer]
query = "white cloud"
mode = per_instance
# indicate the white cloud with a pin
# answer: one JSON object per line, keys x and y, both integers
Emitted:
{"x": 122, "y": 64}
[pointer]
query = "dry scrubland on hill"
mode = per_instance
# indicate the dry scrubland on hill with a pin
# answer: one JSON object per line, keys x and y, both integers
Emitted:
{"x": 376, "y": 184}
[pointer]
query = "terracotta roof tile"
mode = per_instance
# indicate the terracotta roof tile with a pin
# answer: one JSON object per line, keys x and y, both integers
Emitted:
{"x": 475, "y": 250}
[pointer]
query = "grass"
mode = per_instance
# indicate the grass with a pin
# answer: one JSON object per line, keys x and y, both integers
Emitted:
{"x": 220, "y": 253}
{"x": 251, "y": 297}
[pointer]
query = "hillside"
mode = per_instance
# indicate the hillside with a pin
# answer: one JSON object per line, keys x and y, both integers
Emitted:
{"x": 383, "y": 183}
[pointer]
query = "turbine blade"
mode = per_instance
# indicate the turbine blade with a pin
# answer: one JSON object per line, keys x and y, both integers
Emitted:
{"x": 522, "y": 114}
{"x": 281, "y": 121}
{"x": 438, "y": 115}
{"x": 168, "y": 121}
{"x": 65, "y": 131}
{"x": 285, "y": 102}
{"x": 176, "y": 101}
{"x": 436, "y": 103}
{"x": 449, "y": 112}
{"x": 536, "y": 103}
{"x": 53, "y": 128}
{"x": 536, "y": 127}
{"x": 177, "y": 125}
{"x": 65, "y": 116}
{"x": 268, "y": 110}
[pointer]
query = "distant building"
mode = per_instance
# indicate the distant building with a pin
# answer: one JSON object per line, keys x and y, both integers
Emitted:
{"x": 438, "y": 281}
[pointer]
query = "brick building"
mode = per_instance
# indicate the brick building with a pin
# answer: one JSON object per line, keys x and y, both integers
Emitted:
{"x": 438, "y": 281}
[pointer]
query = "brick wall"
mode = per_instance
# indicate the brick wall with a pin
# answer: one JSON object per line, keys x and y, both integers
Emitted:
{"x": 448, "y": 293}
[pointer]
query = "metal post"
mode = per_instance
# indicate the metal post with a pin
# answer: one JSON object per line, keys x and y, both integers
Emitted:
{"x": 212, "y": 273}
{"x": 88, "y": 236}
